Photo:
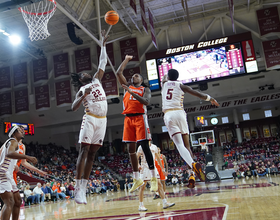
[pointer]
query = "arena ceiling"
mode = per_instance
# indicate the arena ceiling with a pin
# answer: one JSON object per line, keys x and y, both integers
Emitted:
{"x": 90, "y": 12}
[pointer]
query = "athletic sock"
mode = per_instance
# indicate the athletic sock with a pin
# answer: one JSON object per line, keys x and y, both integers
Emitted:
{"x": 78, "y": 183}
{"x": 183, "y": 151}
{"x": 153, "y": 173}
{"x": 164, "y": 201}
{"x": 136, "y": 175}
{"x": 84, "y": 183}
{"x": 141, "y": 203}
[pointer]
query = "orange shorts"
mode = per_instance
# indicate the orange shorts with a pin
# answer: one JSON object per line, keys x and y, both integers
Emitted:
{"x": 161, "y": 175}
{"x": 136, "y": 128}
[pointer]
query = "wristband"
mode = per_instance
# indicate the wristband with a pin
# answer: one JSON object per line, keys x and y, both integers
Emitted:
{"x": 208, "y": 98}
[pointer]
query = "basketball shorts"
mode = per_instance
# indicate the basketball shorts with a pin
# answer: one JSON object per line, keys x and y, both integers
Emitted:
{"x": 136, "y": 128}
{"x": 92, "y": 130}
{"x": 7, "y": 184}
{"x": 176, "y": 122}
{"x": 145, "y": 174}
{"x": 160, "y": 172}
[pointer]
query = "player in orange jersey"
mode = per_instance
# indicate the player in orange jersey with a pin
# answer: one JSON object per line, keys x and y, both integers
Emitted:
{"x": 24, "y": 162}
{"x": 162, "y": 172}
{"x": 136, "y": 128}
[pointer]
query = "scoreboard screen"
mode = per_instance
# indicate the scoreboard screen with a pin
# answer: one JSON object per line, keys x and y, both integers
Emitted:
{"x": 28, "y": 128}
{"x": 204, "y": 61}
{"x": 199, "y": 121}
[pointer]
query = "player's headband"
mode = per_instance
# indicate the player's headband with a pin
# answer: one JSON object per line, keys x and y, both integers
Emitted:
{"x": 12, "y": 131}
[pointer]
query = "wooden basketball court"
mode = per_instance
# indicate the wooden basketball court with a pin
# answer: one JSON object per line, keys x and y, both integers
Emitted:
{"x": 229, "y": 199}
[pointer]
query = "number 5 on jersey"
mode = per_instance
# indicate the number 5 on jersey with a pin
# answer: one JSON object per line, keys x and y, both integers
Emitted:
{"x": 169, "y": 94}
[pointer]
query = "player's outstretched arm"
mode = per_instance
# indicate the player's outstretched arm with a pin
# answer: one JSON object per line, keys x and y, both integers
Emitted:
{"x": 120, "y": 76}
{"x": 79, "y": 98}
{"x": 143, "y": 100}
{"x": 103, "y": 57}
{"x": 31, "y": 167}
{"x": 187, "y": 89}
{"x": 164, "y": 80}
{"x": 14, "y": 155}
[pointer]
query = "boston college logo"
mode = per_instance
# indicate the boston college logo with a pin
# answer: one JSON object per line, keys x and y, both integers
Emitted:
{"x": 273, "y": 44}
{"x": 267, "y": 12}
{"x": 127, "y": 43}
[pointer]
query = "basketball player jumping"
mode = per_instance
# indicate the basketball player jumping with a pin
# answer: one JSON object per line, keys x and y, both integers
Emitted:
{"x": 92, "y": 95}
{"x": 8, "y": 189}
{"x": 136, "y": 128}
{"x": 24, "y": 162}
{"x": 146, "y": 176}
{"x": 175, "y": 117}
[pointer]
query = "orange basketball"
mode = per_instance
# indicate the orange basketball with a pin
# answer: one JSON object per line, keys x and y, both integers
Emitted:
{"x": 111, "y": 17}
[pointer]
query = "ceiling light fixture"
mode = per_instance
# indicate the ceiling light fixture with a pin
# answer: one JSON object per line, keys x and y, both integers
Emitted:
{"x": 15, "y": 39}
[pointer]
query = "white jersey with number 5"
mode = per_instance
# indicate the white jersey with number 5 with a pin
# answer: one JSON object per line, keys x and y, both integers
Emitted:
{"x": 95, "y": 102}
{"x": 172, "y": 96}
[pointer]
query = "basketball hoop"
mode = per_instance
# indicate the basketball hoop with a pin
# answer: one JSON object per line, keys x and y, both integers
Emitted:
{"x": 37, "y": 16}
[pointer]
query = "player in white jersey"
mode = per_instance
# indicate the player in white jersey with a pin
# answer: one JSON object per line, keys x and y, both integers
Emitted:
{"x": 92, "y": 95}
{"x": 8, "y": 189}
{"x": 146, "y": 176}
{"x": 175, "y": 118}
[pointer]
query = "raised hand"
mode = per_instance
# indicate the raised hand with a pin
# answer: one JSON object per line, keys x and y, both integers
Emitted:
{"x": 128, "y": 57}
{"x": 214, "y": 102}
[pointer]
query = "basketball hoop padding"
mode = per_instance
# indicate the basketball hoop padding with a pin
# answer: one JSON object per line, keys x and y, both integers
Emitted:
{"x": 37, "y": 16}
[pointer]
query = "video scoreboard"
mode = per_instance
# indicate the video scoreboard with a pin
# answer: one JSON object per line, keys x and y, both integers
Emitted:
{"x": 28, "y": 128}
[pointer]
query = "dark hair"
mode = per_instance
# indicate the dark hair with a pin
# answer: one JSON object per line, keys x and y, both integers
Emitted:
{"x": 173, "y": 74}
{"x": 76, "y": 80}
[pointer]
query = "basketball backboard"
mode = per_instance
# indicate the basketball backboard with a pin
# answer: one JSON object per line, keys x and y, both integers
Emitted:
{"x": 203, "y": 136}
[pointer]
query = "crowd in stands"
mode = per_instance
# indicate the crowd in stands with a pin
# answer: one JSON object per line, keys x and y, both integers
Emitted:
{"x": 256, "y": 157}
{"x": 252, "y": 158}
{"x": 55, "y": 191}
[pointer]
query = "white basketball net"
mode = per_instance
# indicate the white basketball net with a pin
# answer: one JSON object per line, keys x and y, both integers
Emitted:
{"x": 37, "y": 16}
